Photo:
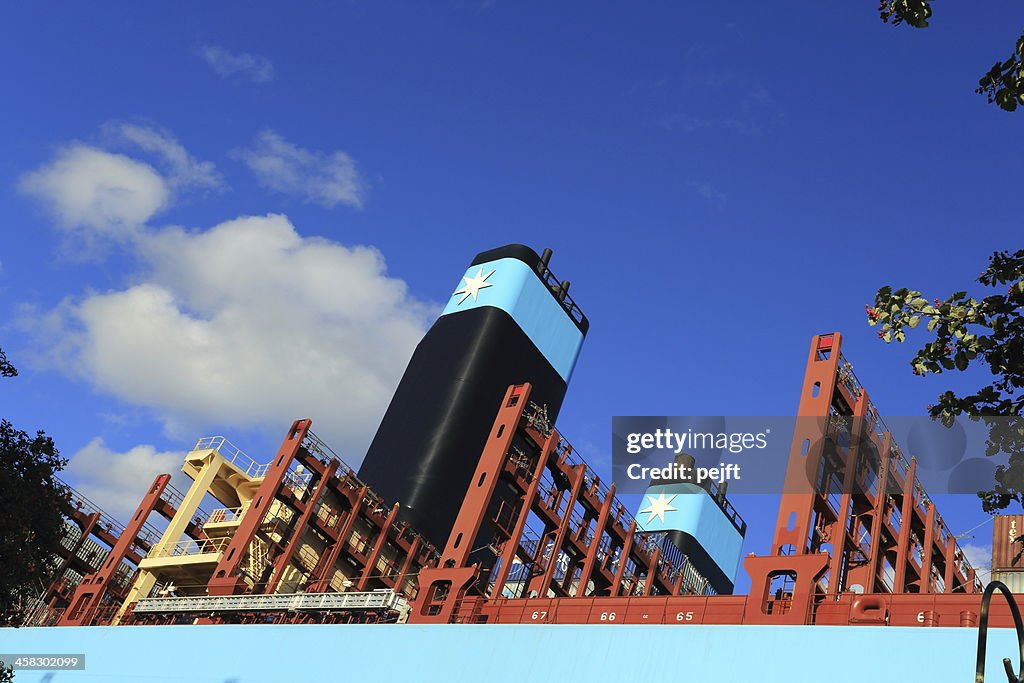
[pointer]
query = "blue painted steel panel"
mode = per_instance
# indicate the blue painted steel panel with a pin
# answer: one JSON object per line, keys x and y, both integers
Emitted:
{"x": 562, "y": 653}
{"x": 697, "y": 514}
{"x": 516, "y": 289}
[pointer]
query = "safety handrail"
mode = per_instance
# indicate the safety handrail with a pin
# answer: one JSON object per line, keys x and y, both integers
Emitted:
{"x": 986, "y": 599}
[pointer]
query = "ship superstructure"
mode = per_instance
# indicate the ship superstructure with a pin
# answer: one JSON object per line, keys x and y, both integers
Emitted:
{"x": 472, "y": 508}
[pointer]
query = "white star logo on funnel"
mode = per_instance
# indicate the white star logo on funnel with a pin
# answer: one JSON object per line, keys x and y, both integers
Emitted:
{"x": 474, "y": 285}
{"x": 658, "y": 507}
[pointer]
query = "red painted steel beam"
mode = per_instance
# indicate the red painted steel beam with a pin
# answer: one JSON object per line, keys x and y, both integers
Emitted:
{"x": 798, "y": 500}
{"x": 627, "y": 549}
{"x": 93, "y": 587}
{"x": 511, "y": 545}
{"x": 906, "y": 524}
{"x": 226, "y": 579}
{"x": 443, "y": 588}
{"x": 407, "y": 564}
{"x": 558, "y": 539}
{"x": 85, "y": 523}
{"x": 842, "y": 545}
{"x": 325, "y": 567}
{"x": 485, "y": 478}
{"x": 378, "y": 547}
{"x": 926, "y": 551}
{"x": 590, "y": 562}
{"x": 300, "y": 526}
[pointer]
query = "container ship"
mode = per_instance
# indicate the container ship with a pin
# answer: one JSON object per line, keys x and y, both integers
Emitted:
{"x": 476, "y": 541}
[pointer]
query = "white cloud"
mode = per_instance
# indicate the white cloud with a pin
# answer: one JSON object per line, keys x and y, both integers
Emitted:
{"x": 978, "y": 554}
{"x": 226, "y": 63}
{"x": 708, "y": 191}
{"x": 247, "y": 324}
{"x": 184, "y": 169}
{"x": 96, "y": 195}
{"x": 108, "y": 194}
{"x": 980, "y": 557}
{"x": 325, "y": 179}
{"x": 117, "y": 481}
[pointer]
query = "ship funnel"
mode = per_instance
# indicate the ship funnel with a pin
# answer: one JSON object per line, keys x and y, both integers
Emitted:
{"x": 504, "y": 324}
{"x": 686, "y": 460}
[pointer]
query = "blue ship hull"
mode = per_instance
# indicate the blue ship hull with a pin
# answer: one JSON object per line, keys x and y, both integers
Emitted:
{"x": 622, "y": 653}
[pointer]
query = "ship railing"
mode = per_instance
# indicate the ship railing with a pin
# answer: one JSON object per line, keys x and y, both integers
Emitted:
{"x": 149, "y": 535}
{"x": 232, "y": 454}
{"x": 877, "y": 423}
{"x": 848, "y": 377}
{"x": 204, "y": 546}
{"x": 298, "y": 481}
{"x": 173, "y": 496}
{"x": 378, "y": 600}
{"x": 669, "y": 563}
{"x": 227, "y": 515}
{"x": 536, "y": 417}
{"x": 43, "y": 615}
{"x": 568, "y": 454}
{"x": 625, "y": 518}
{"x": 82, "y": 504}
{"x": 548, "y": 488}
{"x": 576, "y": 519}
{"x": 839, "y": 428}
{"x": 555, "y": 285}
{"x": 139, "y": 549}
{"x": 671, "y": 554}
{"x": 714, "y": 489}
{"x": 940, "y": 526}
{"x": 316, "y": 446}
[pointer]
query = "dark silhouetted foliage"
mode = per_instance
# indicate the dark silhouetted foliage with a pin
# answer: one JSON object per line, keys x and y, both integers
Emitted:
{"x": 1003, "y": 84}
{"x": 31, "y": 519}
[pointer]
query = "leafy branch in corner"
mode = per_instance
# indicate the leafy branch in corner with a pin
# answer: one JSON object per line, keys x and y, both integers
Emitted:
{"x": 1003, "y": 84}
{"x": 6, "y": 369}
{"x": 987, "y": 332}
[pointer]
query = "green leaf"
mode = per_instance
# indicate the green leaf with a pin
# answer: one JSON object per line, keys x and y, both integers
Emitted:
{"x": 1006, "y": 100}
{"x": 914, "y": 321}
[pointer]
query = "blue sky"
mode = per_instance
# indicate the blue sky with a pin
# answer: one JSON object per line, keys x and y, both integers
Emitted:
{"x": 219, "y": 218}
